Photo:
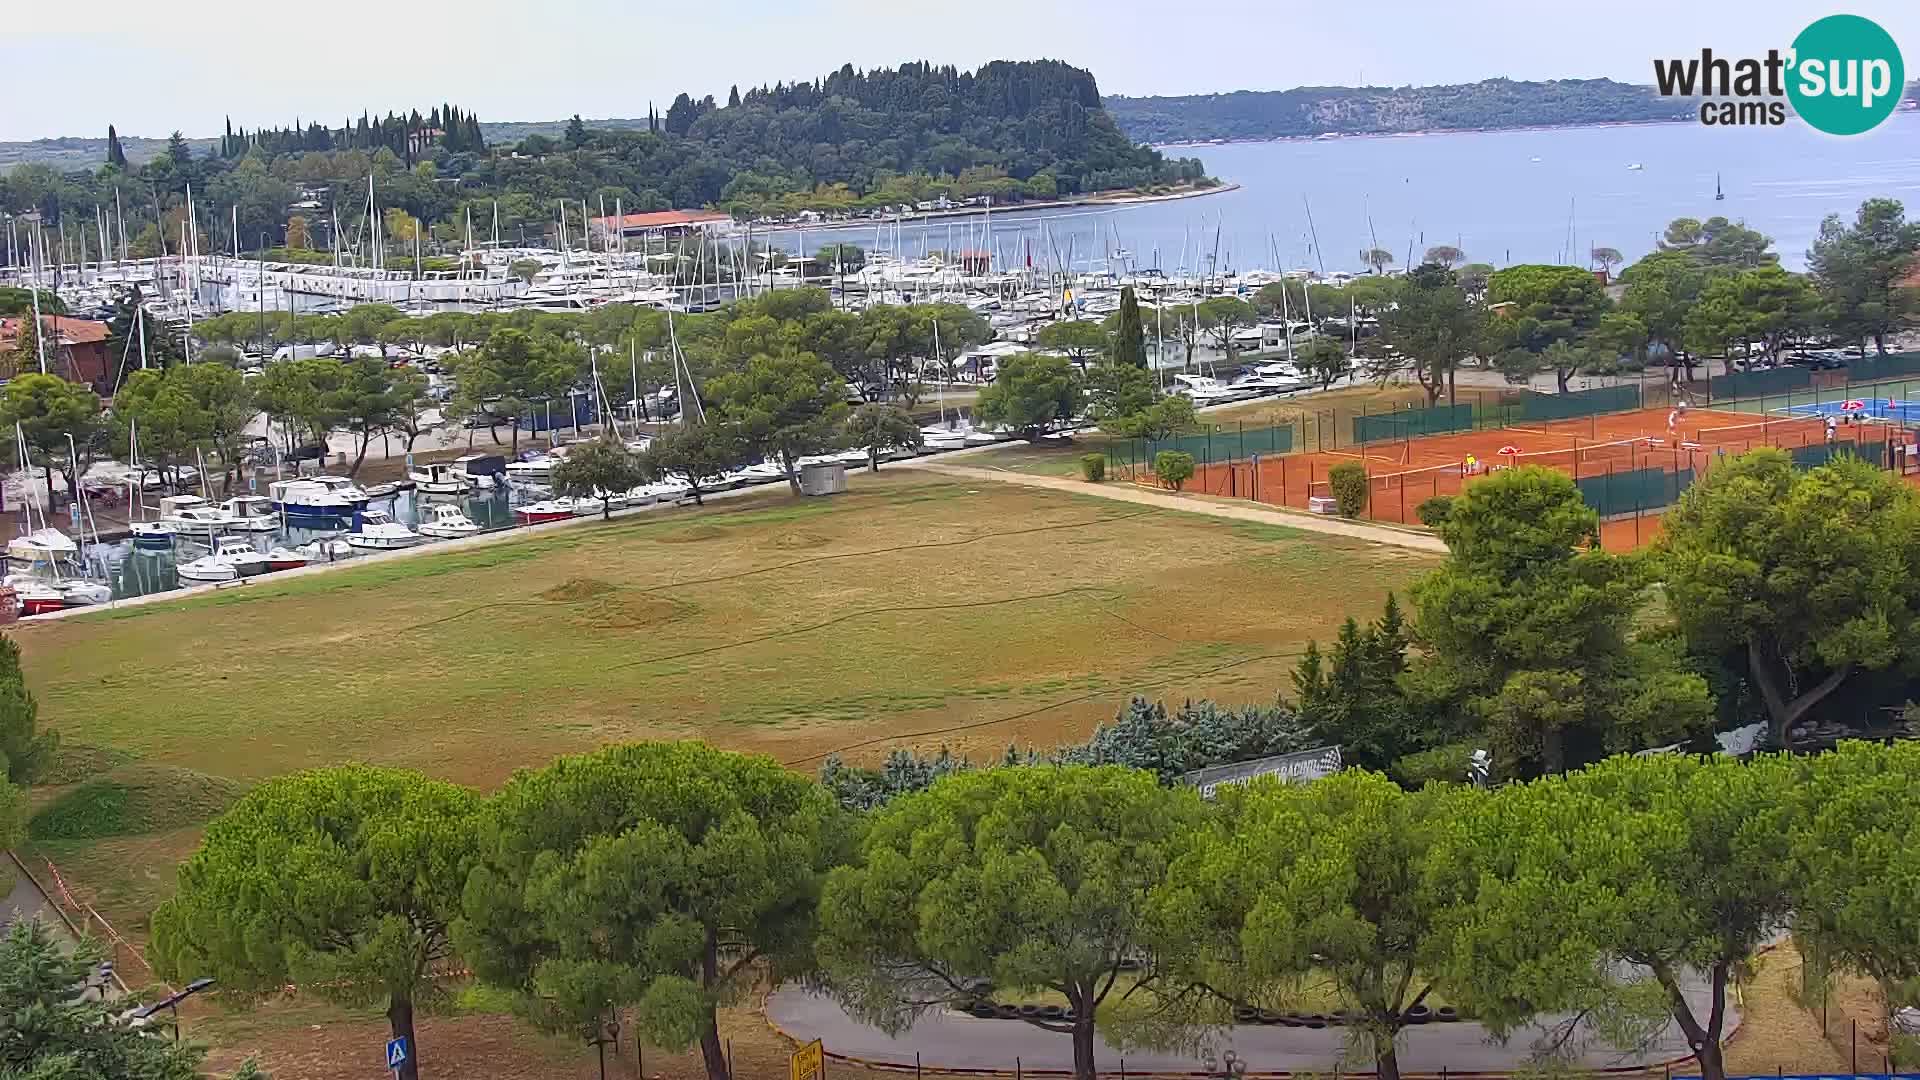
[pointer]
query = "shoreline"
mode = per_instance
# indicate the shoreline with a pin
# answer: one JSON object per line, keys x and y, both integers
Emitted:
{"x": 1333, "y": 136}
{"x": 1115, "y": 200}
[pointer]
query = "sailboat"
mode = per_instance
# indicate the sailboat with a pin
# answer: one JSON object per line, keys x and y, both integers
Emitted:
{"x": 944, "y": 435}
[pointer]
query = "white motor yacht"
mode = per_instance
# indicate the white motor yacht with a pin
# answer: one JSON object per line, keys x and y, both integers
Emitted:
{"x": 193, "y": 515}
{"x": 230, "y": 558}
{"x": 441, "y": 478}
{"x": 378, "y": 531}
{"x": 445, "y": 521}
{"x": 317, "y": 500}
{"x": 48, "y": 545}
{"x": 251, "y": 513}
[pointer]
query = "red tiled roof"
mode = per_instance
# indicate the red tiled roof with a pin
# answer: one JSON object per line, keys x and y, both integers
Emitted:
{"x": 660, "y": 219}
{"x": 70, "y": 331}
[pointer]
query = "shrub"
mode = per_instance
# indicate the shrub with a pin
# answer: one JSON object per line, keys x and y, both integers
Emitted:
{"x": 1447, "y": 764}
{"x": 1348, "y": 482}
{"x": 1173, "y": 467}
{"x": 1434, "y": 512}
{"x": 1093, "y": 467}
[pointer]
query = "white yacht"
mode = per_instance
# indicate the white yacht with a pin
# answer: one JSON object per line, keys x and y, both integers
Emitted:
{"x": 48, "y": 545}
{"x": 230, "y": 558}
{"x": 379, "y": 532}
{"x": 323, "y": 500}
{"x": 251, "y": 513}
{"x": 1205, "y": 390}
{"x": 441, "y": 478}
{"x": 194, "y": 515}
{"x": 444, "y": 520}
{"x": 539, "y": 470}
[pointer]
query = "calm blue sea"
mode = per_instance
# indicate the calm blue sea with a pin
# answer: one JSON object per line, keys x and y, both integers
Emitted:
{"x": 1509, "y": 196}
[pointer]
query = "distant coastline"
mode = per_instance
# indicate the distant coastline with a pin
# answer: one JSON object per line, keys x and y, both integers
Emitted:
{"x": 1331, "y": 136}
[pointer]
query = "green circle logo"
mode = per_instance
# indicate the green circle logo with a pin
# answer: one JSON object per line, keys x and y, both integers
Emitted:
{"x": 1845, "y": 75}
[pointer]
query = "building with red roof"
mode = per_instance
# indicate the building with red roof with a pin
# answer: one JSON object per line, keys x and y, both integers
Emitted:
{"x": 76, "y": 349}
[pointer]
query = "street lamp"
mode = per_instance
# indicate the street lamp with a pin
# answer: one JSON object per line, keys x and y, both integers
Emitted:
{"x": 171, "y": 1003}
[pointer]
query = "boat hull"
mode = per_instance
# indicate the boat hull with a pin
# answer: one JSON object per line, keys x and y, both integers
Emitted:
{"x": 541, "y": 517}
{"x": 448, "y": 532}
{"x": 304, "y": 512}
{"x": 380, "y": 543}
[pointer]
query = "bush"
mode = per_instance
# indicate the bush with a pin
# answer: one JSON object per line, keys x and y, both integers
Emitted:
{"x": 1348, "y": 482}
{"x": 1447, "y": 764}
{"x": 1434, "y": 512}
{"x": 1173, "y": 467}
{"x": 1093, "y": 467}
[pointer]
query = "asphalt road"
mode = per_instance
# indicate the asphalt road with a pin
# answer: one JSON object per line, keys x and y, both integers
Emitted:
{"x": 957, "y": 1040}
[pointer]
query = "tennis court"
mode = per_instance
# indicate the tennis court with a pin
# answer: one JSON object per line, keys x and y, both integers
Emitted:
{"x": 1629, "y": 465}
{"x": 1884, "y": 408}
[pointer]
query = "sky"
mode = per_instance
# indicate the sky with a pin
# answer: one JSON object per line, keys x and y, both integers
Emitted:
{"x": 152, "y": 68}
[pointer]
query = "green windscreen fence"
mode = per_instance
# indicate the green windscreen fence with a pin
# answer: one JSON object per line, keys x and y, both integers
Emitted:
{"x": 1633, "y": 490}
{"x": 1746, "y": 384}
{"x": 1876, "y": 368}
{"x": 1215, "y": 442}
{"x": 1812, "y": 457}
{"x": 1577, "y": 403}
{"x": 1409, "y": 423}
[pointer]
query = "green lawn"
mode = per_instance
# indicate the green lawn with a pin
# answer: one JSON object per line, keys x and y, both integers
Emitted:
{"x": 910, "y": 611}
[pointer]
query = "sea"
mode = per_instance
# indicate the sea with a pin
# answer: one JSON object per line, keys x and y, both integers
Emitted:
{"x": 1502, "y": 197}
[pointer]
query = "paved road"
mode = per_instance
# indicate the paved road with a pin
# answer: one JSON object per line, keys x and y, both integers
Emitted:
{"x": 958, "y": 1040}
{"x": 1132, "y": 493}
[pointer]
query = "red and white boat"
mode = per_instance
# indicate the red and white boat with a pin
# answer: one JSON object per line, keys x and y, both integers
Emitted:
{"x": 544, "y": 511}
{"x": 285, "y": 559}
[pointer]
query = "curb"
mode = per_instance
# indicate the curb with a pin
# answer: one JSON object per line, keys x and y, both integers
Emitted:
{"x": 1656, "y": 1068}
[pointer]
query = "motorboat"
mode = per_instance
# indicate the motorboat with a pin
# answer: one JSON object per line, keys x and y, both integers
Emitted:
{"x": 445, "y": 521}
{"x": 192, "y": 514}
{"x": 207, "y": 569}
{"x": 282, "y": 558}
{"x": 377, "y": 531}
{"x": 537, "y": 470}
{"x": 325, "y": 551}
{"x": 35, "y": 596}
{"x": 934, "y": 439}
{"x": 585, "y": 505}
{"x": 1205, "y": 390}
{"x": 544, "y": 511}
{"x": 441, "y": 478}
{"x": 765, "y": 472}
{"x": 323, "y": 499}
{"x": 251, "y": 513}
{"x": 151, "y": 536}
{"x": 79, "y": 592}
{"x": 47, "y": 546}
{"x": 230, "y": 558}
{"x": 481, "y": 470}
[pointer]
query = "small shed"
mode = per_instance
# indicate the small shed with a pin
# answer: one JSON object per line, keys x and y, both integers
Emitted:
{"x": 823, "y": 478}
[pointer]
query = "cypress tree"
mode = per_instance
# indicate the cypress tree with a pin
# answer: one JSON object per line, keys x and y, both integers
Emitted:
{"x": 116, "y": 156}
{"x": 1129, "y": 338}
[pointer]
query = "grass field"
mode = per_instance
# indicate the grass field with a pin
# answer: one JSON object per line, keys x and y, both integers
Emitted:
{"x": 911, "y": 611}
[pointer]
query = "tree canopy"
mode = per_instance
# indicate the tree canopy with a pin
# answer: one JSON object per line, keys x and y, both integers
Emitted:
{"x": 344, "y": 880}
{"x": 663, "y": 876}
{"x": 1019, "y": 878}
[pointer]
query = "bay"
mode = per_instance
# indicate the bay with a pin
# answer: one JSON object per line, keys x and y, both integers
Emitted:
{"x": 1547, "y": 195}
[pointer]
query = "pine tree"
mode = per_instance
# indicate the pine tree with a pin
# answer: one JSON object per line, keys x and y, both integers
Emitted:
{"x": 26, "y": 751}
{"x": 1129, "y": 338}
{"x": 116, "y": 156}
{"x": 733, "y": 97}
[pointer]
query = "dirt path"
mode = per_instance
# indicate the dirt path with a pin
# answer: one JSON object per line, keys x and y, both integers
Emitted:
{"x": 1120, "y": 491}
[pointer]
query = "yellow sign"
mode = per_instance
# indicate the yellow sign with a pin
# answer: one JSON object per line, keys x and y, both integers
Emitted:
{"x": 810, "y": 1062}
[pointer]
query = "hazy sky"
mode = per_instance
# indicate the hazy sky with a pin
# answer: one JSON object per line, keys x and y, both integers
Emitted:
{"x": 188, "y": 65}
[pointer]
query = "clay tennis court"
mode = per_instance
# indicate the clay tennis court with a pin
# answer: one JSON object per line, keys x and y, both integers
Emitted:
{"x": 1402, "y": 473}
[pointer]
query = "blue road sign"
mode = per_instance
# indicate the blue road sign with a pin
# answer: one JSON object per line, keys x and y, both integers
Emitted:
{"x": 396, "y": 1052}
